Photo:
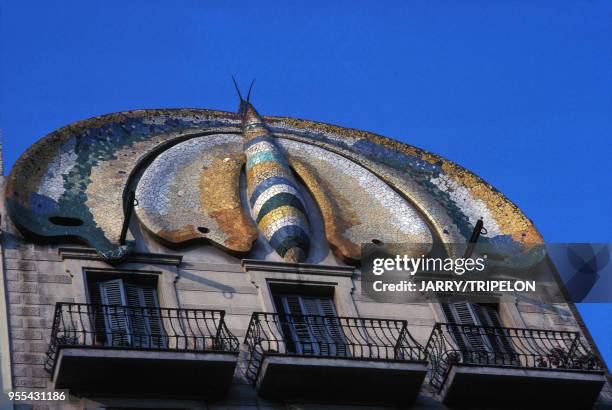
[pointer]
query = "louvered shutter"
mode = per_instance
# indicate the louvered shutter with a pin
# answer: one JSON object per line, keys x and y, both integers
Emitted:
{"x": 116, "y": 321}
{"x": 144, "y": 316}
{"x": 158, "y": 336}
{"x": 326, "y": 329}
{"x": 97, "y": 315}
{"x": 137, "y": 315}
{"x": 334, "y": 327}
{"x": 315, "y": 327}
{"x": 489, "y": 316}
{"x": 301, "y": 337}
{"x": 469, "y": 339}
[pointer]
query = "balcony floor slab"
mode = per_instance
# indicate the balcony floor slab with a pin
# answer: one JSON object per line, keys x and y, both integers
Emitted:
{"x": 515, "y": 387}
{"x": 144, "y": 373}
{"x": 340, "y": 379}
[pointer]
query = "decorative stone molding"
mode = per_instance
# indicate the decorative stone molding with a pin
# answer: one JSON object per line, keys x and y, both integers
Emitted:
{"x": 297, "y": 268}
{"x": 149, "y": 258}
{"x": 340, "y": 278}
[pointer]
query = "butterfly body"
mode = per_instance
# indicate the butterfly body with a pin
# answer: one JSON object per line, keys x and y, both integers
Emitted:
{"x": 274, "y": 198}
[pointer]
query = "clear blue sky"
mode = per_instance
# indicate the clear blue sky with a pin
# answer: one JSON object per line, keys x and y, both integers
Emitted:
{"x": 520, "y": 92}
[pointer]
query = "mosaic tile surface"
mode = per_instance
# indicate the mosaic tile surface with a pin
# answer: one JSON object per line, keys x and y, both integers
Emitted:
{"x": 190, "y": 192}
{"x": 82, "y": 172}
{"x": 429, "y": 181}
{"x": 357, "y": 206}
{"x": 72, "y": 184}
{"x": 276, "y": 204}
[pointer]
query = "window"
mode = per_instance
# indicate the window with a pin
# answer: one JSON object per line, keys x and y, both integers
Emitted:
{"x": 126, "y": 313}
{"x": 484, "y": 333}
{"x": 310, "y": 324}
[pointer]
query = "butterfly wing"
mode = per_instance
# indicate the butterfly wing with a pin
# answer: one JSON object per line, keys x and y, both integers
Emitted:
{"x": 449, "y": 197}
{"x": 357, "y": 207}
{"x": 72, "y": 183}
{"x": 191, "y": 191}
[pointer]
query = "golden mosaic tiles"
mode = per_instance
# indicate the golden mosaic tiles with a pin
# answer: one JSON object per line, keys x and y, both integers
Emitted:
{"x": 186, "y": 166}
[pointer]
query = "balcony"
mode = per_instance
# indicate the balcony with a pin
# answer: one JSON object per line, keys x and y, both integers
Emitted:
{"x": 331, "y": 358}
{"x": 483, "y": 366}
{"x": 141, "y": 352}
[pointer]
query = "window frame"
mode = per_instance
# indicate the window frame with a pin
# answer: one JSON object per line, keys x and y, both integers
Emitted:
{"x": 149, "y": 320}
{"x": 266, "y": 275}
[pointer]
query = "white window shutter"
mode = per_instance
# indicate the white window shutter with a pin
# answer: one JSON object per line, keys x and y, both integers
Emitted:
{"x": 137, "y": 315}
{"x": 116, "y": 321}
{"x": 112, "y": 293}
{"x": 144, "y": 315}
{"x": 468, "y": 338}
{"x": 154, "y": 320}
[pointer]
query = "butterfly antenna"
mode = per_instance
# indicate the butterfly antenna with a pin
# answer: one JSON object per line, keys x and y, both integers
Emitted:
{"x": 250, "y": 88}
{"x": 237, "y": 89}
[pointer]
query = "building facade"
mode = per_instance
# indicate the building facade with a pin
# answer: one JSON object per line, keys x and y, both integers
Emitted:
{"x": 195, "y": 259}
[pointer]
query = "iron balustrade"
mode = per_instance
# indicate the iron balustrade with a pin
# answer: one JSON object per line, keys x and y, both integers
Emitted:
{"x": 139, "y": 328}
{"x": 328, "y": 336}
{"x": 451, "y": 344}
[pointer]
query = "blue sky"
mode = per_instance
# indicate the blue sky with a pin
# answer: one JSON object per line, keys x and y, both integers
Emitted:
{"x": 520, "y": 92}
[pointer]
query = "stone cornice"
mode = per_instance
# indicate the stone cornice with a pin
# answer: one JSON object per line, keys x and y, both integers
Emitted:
{"x": 298, "y": 268}
{"x": 150, "y": 258}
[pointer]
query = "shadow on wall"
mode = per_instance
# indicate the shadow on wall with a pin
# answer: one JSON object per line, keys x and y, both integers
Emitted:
{"x": 228, "y": 291}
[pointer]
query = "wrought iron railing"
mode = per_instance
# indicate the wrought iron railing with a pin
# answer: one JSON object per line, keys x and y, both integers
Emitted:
{"x": 451, "y": 344}
{"x": 328, "y": 336}
{"x": 139, "y": 328}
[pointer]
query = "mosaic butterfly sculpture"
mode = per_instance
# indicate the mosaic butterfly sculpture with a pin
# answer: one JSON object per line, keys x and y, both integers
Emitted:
{"x": 226, "y": 178}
